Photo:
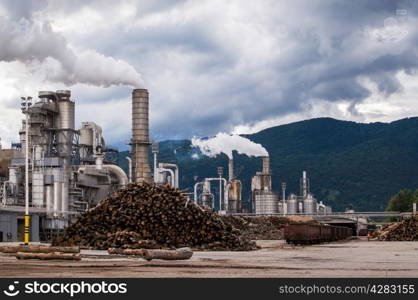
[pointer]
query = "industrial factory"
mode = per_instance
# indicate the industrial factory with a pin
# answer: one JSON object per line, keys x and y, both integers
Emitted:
{"x": 266, "y": 201}
{"x": 57, "y": 171}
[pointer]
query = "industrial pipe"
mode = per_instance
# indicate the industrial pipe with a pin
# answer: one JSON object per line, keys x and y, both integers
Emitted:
{"x": 162, "y": 170}
{"x": 226, "y": 195}
{"x": 115, "y": 170}
{"x": 195, "y": 191}
{"x": 225, "y": 183}
{"x": 176, "y": 171}
{"x": 129, "y": 168}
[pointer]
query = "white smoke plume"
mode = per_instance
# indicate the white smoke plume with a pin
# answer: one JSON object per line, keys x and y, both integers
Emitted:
{"x": 36, "y": 44}
{"x": 226, "y": 143}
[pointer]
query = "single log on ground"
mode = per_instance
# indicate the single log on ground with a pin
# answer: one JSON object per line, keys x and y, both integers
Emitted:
{"x": 180, "y": 254}
{"x": 49, "y": 256}
{"x": 149, "y": 254}
{"x": 38, "y": 249}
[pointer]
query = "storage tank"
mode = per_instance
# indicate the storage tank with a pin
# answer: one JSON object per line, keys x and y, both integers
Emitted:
{"x": 292, "y": 204}
{"x": 234, "y": 196}
{"x": 265, "y": 202}
{"x": 309, "y": 204}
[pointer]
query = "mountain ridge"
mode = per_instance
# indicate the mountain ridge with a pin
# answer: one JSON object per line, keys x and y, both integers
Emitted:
{"x": 348, "y": 163}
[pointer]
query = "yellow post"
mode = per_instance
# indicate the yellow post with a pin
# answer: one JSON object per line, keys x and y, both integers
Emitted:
{"x": 27, "y": 224}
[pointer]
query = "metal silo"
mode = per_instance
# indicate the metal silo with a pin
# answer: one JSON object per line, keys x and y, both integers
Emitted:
{"x": 234, "y": 196}
{"x": 292, "y": 204}
{"x": 309, "y": 204}
{"x": 65, "y": 125}
{"x": 266, "y": 202}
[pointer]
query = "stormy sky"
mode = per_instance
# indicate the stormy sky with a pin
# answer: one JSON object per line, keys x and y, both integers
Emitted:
{"x": 211, "y": 66}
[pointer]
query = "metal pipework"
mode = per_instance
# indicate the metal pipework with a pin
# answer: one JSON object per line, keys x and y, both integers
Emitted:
{"x": 155, "y": 150}
{"x": 114, "y": 169}
{"x": 220, "y": 192}
{"x": 176, "y": 172}
{"x": 129, "y": 168}
{"x": 195, "y": 191}
{"x": 162, "y": 170}
{"x": 140, "y": 136}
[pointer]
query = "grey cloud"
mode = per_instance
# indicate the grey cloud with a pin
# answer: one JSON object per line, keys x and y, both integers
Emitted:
{"x": 214, "y": 72}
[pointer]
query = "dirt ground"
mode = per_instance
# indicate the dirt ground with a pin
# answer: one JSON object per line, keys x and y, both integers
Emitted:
{"x": 352, "y": 258}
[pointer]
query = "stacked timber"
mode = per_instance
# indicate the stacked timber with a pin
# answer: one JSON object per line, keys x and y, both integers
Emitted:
{"x": 258, "y": 227}
{"x": 141, "y": 216}
{"x": 406, "y": 230}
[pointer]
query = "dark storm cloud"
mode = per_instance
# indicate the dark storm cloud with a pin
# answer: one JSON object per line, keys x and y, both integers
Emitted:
{"x": 213, "y": 65}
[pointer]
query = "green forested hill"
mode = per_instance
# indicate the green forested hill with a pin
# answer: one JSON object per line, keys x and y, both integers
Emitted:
{"x": 347, "y": 162}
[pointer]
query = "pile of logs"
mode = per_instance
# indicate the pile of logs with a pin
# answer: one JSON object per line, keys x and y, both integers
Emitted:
{"x": 42, "y": 252}
{"x": 141, "y": 216}
{"x": 258, "y": 227}
{"x": 406, "y": 230}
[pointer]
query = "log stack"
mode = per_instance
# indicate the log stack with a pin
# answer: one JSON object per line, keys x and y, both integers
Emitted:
{"x": 142, "y": 215}
{"x": 258, "y": 227}
{"x": 406, "y": 230}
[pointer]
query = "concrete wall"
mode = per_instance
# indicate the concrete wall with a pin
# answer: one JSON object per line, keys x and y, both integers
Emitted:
{"x": 8, "y": 224}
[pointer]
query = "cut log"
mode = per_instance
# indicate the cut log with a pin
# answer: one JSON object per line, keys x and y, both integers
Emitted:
{"x": 180, "y": 254}
{"x": 49, "y": 256}
{"x": 38, "y": 249}
{"x": 149, "y": 254}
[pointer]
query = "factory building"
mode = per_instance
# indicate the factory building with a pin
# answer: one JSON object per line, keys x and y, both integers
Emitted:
{"x": 229, "y": 191}
{"x": 70, "y": 170}
{"x": 266, "y": 202}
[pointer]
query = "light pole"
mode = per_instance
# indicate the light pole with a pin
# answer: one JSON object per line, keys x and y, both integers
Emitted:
{"x": 220, "y": 173}
{"x": 26, "y": 103}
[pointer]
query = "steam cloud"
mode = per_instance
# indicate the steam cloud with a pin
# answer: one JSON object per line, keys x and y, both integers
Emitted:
{"x": 38, "y": 46}
{"x": 226, "y": 143}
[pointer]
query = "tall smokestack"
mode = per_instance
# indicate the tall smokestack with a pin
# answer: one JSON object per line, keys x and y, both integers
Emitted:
{"x": 266, "y": 165}
{"x": 304, "y": 184}
{"x": 231, "y": 170}
{"x": 140, "y": 136}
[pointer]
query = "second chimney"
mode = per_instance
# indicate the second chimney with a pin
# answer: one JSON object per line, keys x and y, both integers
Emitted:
{"x": 140, "y": 136}
{"x": 266, "y": 164}
{"x": 230, "y": 170}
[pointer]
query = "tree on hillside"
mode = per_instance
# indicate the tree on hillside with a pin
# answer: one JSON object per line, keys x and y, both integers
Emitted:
{"x": 402, "y": 201}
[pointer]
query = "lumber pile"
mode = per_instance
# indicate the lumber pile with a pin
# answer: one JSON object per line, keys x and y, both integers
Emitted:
{"x": 406, "y": 230}
{"x": 141, "y": 216}
{"x": 258, "y": 227}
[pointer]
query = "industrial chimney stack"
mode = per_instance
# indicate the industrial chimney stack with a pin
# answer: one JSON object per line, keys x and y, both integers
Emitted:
{"x": 140, "y": 136}
{"x": 266, "y": 165}
{"x": 230, "y": 170}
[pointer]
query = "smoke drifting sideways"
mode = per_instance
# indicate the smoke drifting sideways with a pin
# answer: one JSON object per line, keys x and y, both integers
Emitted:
{"x": 40, "y": 48}
{"x": 227, "y": 143}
